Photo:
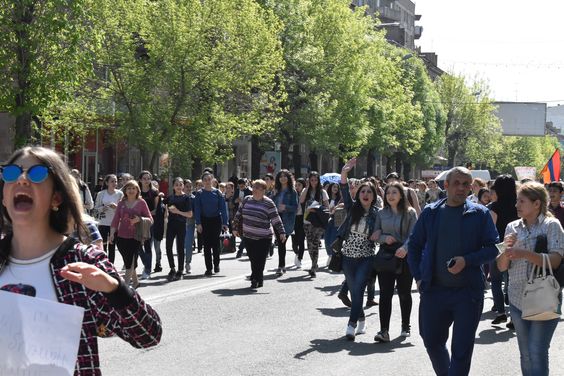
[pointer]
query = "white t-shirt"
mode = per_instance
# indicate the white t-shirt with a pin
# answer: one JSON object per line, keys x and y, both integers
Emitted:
{"x": 324, "y": 197}
{"x": 103, "y": 199}
{"x": 34, "y": 274}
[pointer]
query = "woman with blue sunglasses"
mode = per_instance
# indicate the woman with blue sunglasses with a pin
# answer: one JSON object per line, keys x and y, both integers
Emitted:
{"x": 39, "y": 197}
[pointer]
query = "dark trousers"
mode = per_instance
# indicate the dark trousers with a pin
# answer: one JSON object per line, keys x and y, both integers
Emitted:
{"x": 175, "y": 229}
{"x": 110, "y": 249}
{"x": 388, "y": 282}
{"x": 257, "y": 250}
{"x": 129, "y": 249}
{"x": 211, "y": 229}
{"x": 281, "y": 252}
{"x": 298, "y": 238}
{"x": 496, "y": 277}
{"x": 441, "y": 307}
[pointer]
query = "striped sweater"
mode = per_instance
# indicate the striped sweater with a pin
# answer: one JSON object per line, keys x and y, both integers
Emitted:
{"x": 256, "y": 217}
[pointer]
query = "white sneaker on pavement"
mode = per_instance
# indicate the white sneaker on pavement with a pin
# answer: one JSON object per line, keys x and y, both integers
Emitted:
{"x": 297, "y": 262}
{"x": 144, "y": 276}
{"x": 188, "y": 268}
{"x": 350, "y": 332}
{"x": 361, "y": 327}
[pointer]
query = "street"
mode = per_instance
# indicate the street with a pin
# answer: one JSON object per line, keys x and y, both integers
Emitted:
{"x": 292, "y": 326}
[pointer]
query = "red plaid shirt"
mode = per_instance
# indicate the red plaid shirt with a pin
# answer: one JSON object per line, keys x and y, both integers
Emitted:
{"x": 121, "y": 313}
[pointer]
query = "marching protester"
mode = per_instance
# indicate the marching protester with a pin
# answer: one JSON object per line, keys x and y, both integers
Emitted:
{"x": 358, "y": 234}
{"x": 179, "y": 209}
{"x": 190, "y": 228}
{"x": 409, "y": 192}
{"x": 334, "y": 193}
{"x": 298, "y": 238}
{"x": 286, "y": 200}
{"x": 253, "y": 222}
{"x": 450, "y": 242}
{"x": 503, "y": 212}
{"x": 211, "y": 218}
{"x": 87, "y": 201}
{"x": 38, "y": 197}
{"x": 241, "y": 192}
{"x": 151, "y": 197}
{"x": 158, "y": 227}
{"x": 555, "y": 190}
{"x": 394, "y": 224}
{"x": 522, "y": 237}
{"x": 310, "y": 195}
{"x": 106, "y": 203}
{"x": 131, "y": 210}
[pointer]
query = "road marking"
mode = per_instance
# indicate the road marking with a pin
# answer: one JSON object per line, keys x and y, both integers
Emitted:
{"x": 190, "y": 291}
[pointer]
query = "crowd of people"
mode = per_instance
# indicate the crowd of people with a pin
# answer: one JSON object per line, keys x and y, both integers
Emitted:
{"x": 445, "y": 239}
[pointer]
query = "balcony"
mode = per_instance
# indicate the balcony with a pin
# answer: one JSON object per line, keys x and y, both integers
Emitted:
{"x": 392, "y": 14}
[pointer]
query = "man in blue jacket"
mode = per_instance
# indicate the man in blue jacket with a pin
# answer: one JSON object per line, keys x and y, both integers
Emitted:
{"x": 451, "y": 240}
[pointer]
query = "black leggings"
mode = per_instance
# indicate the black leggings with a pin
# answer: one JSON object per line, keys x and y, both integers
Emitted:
{"x": 129, "y": 249}
{"x": 211, "y": 229}
{"x": 109, "y": 248}
{"x": 387, "y": 282}
{"x": 175, "y": 229}
{"x": 298, "y": 238}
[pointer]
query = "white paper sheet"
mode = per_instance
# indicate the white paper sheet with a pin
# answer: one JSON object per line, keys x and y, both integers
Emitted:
{"x": 37, "y": 336}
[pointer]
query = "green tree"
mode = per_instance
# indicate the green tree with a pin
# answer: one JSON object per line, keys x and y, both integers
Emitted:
{"x": 43, "y": 57}
{"x": 472, "y": 131}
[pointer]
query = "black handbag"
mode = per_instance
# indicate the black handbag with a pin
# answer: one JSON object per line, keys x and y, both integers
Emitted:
{"x": 541, "y": 246}
{"x": 336, "y": 262}
{"x": 386, "y": 261}
{"x": 319, "y": 217}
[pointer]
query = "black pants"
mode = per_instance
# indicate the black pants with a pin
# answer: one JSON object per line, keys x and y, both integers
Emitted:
{"x": 211, "y": 229}
{"x": 110, "y": 249}
{"x": 257, "y": 250}
{"x": 175, "y": 229}
{"x": 387, "y": 282}
{"x": 298, "y": 238}
{"x": 129, "y": 249}
{"x": 281, "y": 252}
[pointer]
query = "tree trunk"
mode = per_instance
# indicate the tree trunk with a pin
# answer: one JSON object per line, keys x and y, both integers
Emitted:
{"x": 197, "y": 168}
{"x": 297, "y": 160}
{"x": 370, "y": 162}
{"x": 407, "y": 172}
{"x": 256, "y": 155}
{"x": 397, "y": 156}
{"x": 388, "y": 166}
{"x": 313, "y": 161}
{"x": 451, "y": 156}
{"x": 284, "y": 154}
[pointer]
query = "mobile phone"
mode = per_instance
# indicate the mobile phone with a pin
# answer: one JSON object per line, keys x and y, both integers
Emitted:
{"x": 450, "y": 263}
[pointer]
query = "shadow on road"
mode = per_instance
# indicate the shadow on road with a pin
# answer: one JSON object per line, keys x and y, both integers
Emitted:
{"x": 238, "y": 292}
{"x": 494, "y": 335}
{"x": 330, "y": 346}
{"x": 330, "y": 290}
{"x": 300, "y": 278}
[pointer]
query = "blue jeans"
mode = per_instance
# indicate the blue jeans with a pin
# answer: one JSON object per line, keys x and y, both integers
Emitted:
{"x": 534, "y": 339}
{"x": 357, "y": 271}
{"x": 189, "y": 242}
{"x": 370, "y": 288}
{"x": 146, "y": 254}
{"x": 439, "y": 308}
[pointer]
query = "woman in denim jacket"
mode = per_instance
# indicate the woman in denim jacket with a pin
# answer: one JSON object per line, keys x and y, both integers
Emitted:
{"x": 286, "y": 200}
{"x": 358, "y": 234}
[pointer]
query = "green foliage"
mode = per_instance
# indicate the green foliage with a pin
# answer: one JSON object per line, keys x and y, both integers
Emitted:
{"x": 43, "y": 56}
{"x": 515, "y": 151}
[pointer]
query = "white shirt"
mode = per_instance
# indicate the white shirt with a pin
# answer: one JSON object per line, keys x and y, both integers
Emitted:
{"x": 34, "y": 273}
{"x": 104, "y": 199}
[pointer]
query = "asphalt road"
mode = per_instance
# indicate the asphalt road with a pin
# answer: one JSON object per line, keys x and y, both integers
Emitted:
{"x": 294, "y": 325}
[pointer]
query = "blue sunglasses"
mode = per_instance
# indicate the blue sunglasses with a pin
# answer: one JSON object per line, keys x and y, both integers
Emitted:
{"x": 35, "y": 174}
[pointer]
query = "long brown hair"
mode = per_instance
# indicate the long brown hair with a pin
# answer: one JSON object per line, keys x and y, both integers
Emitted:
{"x": 69, "y": 213}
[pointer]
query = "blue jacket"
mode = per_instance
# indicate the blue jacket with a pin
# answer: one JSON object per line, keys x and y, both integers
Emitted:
{"x": 345, "y": 229}
{"x": 288, "y": 216}
{"x": 478, "y": 245}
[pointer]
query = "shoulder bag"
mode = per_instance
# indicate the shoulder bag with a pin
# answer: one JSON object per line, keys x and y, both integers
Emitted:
{"x": 336, "y": 262}
{"x": 385, "y": 260}
{"x": 540, "y": 300}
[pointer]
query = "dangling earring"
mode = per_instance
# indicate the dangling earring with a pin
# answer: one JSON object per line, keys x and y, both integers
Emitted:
{"x": 55, "y": 208}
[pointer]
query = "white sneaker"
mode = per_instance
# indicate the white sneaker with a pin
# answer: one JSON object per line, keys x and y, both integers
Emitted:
{"x": 144, "y": 276}
{"x": 361, "y": 327}
{"x": 188, "y": 268}
{"x": 328, "y": 261}
{"x": 297, "y": 262}
{"x": 350, "y": 332}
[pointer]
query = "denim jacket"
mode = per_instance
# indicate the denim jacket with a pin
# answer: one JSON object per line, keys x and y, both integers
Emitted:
{"x": 480, "y": 237}
{"x": 345, "y": 229}
{"x": 288, "y": 216}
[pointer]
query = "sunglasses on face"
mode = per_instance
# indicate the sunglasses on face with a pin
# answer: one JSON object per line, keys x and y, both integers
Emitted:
{"x": 35, "y": 174}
